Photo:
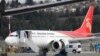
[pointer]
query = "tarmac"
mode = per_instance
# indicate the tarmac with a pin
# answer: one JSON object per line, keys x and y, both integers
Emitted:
{"x": 85, "y": 48}
{"x": 54, "y": 54}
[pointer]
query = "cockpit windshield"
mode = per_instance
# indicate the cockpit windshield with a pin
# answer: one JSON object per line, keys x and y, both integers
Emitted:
{"x": 13, "y": 35}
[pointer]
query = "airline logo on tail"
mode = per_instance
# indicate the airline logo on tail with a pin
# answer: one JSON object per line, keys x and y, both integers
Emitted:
{"x": 86, "y": 26}
{"x": 87, "y": 23}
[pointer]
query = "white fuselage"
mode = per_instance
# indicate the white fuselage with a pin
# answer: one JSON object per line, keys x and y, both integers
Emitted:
{"x": 43, "y": 38}
{"x": 40, "y": 37}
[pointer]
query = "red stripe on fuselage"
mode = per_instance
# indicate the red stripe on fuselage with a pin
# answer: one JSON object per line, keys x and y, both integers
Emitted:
{"x": 73, "y": 34}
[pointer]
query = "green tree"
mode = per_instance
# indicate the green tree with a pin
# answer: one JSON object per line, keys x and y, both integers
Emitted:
{"x": 77, "y": 12}
{"x": 2, "y": 8}
{"x": 96, "y": 10}
{"x": 67, "y": 25}
{"x": 3, "y": 4}
{"x": 29, "y": 2}
{"x": 14, "y": 4}
{"x": 84, "y": 11}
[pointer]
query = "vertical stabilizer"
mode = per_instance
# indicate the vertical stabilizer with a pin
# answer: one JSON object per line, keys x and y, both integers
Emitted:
{"x": 87, "y": 23}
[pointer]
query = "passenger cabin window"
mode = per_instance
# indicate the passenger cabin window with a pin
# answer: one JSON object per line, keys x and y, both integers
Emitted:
{"x": 70, "y": 46}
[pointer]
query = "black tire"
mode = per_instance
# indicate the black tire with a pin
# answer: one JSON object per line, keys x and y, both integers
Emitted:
{"x": 74, "y": 51}
{"x": 78, "y": 52}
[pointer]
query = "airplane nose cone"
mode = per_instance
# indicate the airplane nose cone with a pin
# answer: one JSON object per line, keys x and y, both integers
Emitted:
{"x": 11, "y": 40}
{"x": 7, "y": 40}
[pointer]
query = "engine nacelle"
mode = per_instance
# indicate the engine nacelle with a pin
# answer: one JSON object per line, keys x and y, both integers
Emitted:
{"x": 57, "y": 45}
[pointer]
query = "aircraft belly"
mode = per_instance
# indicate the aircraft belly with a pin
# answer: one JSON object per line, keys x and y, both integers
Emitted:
{"x": 41, "y": 42}
{"x": 44, "y": 41}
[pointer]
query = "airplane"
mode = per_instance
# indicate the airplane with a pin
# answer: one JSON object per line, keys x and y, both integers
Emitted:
{"x": 45, "y": 40}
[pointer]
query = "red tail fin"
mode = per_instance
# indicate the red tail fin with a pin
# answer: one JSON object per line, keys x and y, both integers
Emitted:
{"x": 87, "y": 23}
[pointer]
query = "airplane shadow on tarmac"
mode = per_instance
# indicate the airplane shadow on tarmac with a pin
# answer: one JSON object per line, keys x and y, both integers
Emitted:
{"x": 61, "y": 53}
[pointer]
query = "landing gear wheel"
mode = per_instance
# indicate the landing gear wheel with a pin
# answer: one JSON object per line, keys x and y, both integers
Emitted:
{"x": 78, "y": 52}
{"x": 62, "y": 53}
{"x": 74, "y": 51}
{"x": 43, "y": 52}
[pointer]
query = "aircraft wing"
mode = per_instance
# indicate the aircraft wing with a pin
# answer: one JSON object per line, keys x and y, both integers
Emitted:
{"x": 88, "y": 39}
{"x": 95, "y": 34}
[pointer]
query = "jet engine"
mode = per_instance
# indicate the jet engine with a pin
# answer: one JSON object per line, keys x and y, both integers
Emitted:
{"x": 57, "y": 45}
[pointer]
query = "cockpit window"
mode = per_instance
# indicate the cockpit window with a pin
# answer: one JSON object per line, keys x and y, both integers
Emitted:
{"x": 13, "y": 35}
